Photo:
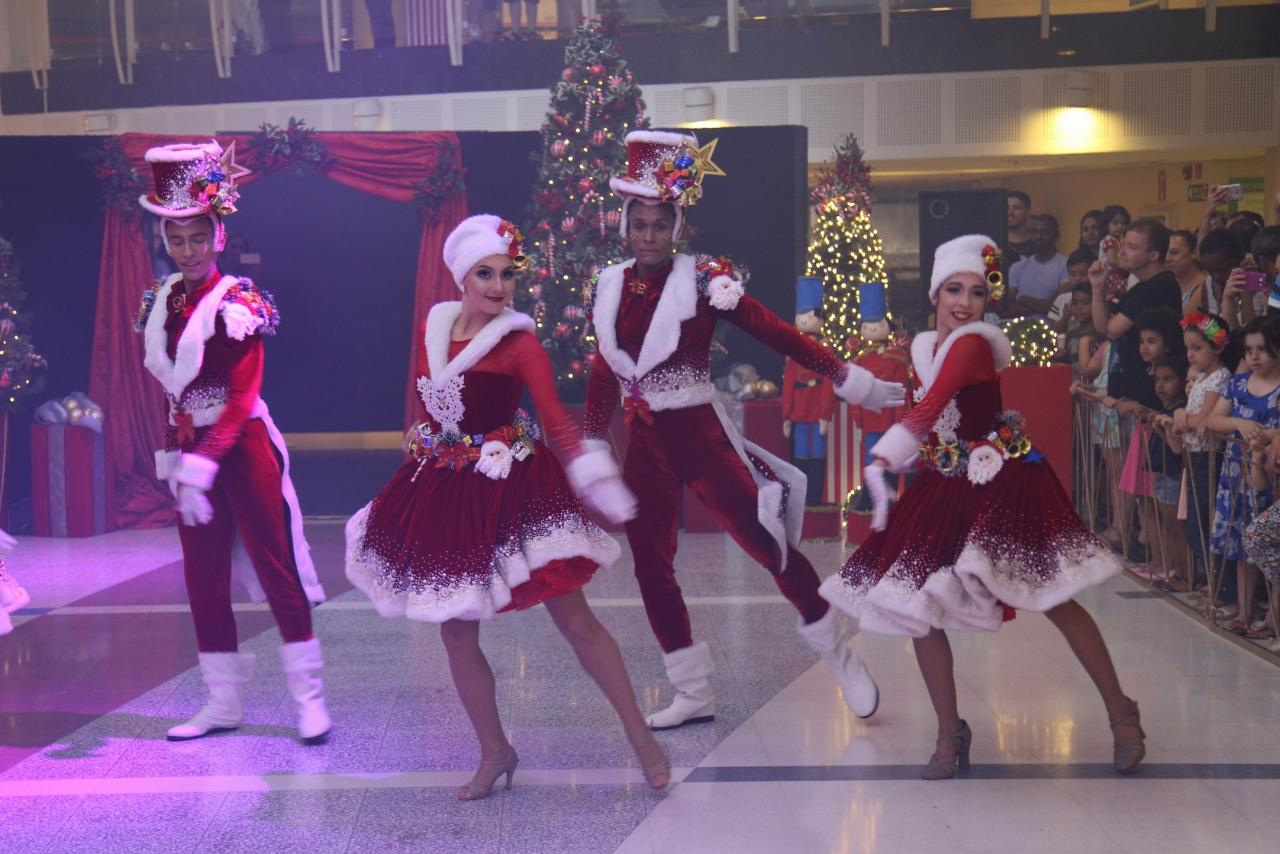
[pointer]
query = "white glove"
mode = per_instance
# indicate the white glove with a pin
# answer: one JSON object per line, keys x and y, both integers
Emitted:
{"x": 7, "y": 543}
{"x": 193, "y": 506}
{"x": 884, "y": 395}
{"x": 906, "y": 465}
{"x": 609, "y": 499}
{"x": 822, "y": 427}
{"x": 786, "y": 429}
{"x": 873, "y": 481}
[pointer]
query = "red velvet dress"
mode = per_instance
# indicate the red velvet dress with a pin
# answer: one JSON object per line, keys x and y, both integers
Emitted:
{"x": 986, "y": 527}
{"x": 445, "y": 542}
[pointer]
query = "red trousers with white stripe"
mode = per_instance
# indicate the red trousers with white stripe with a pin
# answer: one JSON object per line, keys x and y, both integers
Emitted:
{"x": 689, "y": 446}
{"x": 247, "y": 499}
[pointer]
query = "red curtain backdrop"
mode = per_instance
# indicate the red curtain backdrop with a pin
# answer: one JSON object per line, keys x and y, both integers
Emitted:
{"x": 386, "y": 165}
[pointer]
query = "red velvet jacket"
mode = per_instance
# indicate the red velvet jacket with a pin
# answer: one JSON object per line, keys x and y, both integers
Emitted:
{"x": 205, "y": 347}
{"x": 654, "y": 341}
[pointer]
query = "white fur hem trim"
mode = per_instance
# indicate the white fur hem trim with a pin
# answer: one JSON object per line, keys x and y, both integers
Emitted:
{"x": 896, "y": 446}
{"x": 927, "y": 362}
{"x": 967, "y": 596}
{"x": 183, "y": 152}
{"x": 678, "y": 303}
{"x": 439, "y": 329}
{"x": 195, "y": 470}
{"x": 661, "y": 137}
{"x": 591, "y": 465}
{"x": 857, "y": 384}
{"x": 472, "y": 601}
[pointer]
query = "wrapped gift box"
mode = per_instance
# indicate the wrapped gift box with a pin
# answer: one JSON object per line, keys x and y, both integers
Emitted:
{"x": 68, "y": 481}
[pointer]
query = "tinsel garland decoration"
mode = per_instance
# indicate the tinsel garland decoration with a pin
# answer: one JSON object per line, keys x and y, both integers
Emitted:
{"x": 293, "y": 146}
{"x": 120, "y": 182}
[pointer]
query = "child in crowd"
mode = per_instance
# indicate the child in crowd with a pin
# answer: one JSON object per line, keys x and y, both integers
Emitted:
{"x": 1170, "y": 375}
{"x": 1247, "y": 409}
{"x": 1211, "y": 352}
{"x": 1097, "y": 355}
{"x": 1060, "y": 315}
{"x": 1158, "y": 338}
{"x": 12, "y": 596}
{"x": 1262, "y": 537}
{"x": 1078, "y": 323}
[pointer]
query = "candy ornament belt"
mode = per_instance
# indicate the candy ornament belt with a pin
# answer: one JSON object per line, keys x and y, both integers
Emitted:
{"x": 493, "y": 453}
{"x": 981, "y": 459}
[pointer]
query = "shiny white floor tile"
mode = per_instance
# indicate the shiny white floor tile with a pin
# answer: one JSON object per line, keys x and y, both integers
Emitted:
{"x": 404, "y": 741}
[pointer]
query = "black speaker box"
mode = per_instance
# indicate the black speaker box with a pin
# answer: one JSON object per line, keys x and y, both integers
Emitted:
{"x": 946, "y": 214}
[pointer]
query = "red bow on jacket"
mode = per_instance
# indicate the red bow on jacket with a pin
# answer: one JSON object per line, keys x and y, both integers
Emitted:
{"x": 186, "y": 426}
{"x": 636, "y": 407}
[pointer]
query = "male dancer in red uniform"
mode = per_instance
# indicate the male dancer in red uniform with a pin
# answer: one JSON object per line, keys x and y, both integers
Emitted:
{"x": 224, "y": 459}
{"x": 654, "y": 317}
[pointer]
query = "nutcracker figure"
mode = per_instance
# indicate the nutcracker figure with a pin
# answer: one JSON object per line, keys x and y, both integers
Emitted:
{"x": 882, "y": 357}
{"x": 808, "y": 397}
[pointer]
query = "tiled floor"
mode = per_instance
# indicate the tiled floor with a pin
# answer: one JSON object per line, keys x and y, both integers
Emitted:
{"x": 101, "y": 664}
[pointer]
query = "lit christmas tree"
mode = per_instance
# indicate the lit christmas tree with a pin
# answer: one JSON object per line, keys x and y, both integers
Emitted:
{"x": 845, "y": 249}
{"x": 573, "y": 218}
{"x": 21, "y": 367}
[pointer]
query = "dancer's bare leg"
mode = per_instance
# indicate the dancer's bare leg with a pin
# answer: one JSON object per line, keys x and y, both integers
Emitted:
{"x": 601, "y": 658}
{"x": 937, "y": 666}
{"x": 1082, "y": 634}
{"x": 473, "y": 679}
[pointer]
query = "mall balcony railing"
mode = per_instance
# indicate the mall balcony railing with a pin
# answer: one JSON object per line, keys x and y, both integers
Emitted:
{"x": 125, "y": 32}
{"x": 1124, "y": 492}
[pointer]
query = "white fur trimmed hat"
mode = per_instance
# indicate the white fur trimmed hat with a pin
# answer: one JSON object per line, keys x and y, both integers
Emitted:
{"x": 476, "y": 238}
{"x": 192, "y": 180}
{"x": 973, "y": 253}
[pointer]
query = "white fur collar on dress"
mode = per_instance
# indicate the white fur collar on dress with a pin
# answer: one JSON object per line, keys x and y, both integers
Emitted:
{"x": 678, "y": 303}
{"x": 927, "y": 362}
{"x": 177, "y": 373}
{"x": 440, "y": 322}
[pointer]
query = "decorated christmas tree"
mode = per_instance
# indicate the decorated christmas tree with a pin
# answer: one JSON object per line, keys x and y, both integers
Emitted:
{"x": 845, "y": 249}
{"x": 21, "y": 367}
{"x": 572, "y": 229}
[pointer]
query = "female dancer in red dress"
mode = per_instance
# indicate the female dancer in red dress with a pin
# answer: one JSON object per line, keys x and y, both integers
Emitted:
{"x": 483, "y": 518}
{"x": 986, "y": 528}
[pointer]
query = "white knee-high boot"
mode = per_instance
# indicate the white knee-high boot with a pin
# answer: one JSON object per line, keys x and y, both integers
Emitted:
{"x": 694, "y": 703}
{"x": 832, "y": 638}
{"x": 303, "y": 669}
{"x": 225, "y": 674}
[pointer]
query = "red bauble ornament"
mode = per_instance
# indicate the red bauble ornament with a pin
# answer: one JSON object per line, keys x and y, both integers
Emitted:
{"x": 562, "y": 332}
{"x": 577, "y": 367}
{"x": 559, "y": 147}
{"x": 613, "y": 219}
{"x": 597, "y": 70}
{"x": 586, "y": 185}
{"x": 569, "y": 224}
{"x": 574, "y": 312}
{"x": 597, "y": 139}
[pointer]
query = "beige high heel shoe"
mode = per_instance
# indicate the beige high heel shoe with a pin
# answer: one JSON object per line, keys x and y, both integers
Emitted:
{"x": 1127, "y": 757}
{"x": 480, "y": 787}
{"x": 946, "y": 767}
{"x": 658, "y": 772}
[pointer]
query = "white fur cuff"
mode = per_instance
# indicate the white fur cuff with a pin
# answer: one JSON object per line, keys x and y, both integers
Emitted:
{"x": 896, "y": 446}
{"x": 594, "y": 463}
{"x": 195, "y": 470}
{"x": 857, "y": 384}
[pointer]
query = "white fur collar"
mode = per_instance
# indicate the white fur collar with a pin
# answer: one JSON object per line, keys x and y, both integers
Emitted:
{"x": 177, "y": 373}
{"x": 440, "y": 322}
{"x": 927, "y": 363}
{"x": 678, "y": 303}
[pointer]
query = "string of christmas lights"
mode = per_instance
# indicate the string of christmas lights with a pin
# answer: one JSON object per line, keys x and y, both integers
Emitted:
{"x": 1033, "y": 341}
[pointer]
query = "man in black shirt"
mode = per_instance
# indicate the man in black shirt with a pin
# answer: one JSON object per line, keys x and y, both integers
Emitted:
{"x": 1142, "y": 254}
